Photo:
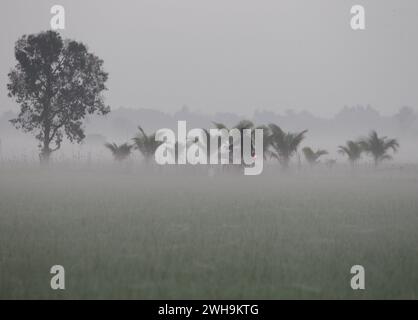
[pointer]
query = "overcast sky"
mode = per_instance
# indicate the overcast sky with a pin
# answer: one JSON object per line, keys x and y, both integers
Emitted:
{"x": 236, "y": 55}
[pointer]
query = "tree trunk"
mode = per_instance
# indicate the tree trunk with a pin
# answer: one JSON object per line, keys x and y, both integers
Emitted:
{"x": 285, "y": 163}
{"x": 45, "y": 154}
{"x": 46, "y": 150}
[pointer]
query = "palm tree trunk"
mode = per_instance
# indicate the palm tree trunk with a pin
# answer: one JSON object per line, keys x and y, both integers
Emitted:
{"x": 285, "y": 163}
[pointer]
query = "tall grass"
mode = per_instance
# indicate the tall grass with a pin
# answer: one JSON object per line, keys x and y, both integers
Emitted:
{"x": 136, "y": 235}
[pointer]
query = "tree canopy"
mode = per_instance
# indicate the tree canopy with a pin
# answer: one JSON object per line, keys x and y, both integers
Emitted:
{"x": 57, "y": 83}
{"x": 378, "y": 147}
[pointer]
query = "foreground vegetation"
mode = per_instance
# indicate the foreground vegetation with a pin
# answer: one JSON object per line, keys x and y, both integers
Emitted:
{"x": 279, "y": 235}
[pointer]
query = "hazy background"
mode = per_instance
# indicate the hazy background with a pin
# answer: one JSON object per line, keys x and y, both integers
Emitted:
{"x": 236, "y": 55}
{"x": 296, "y": 63}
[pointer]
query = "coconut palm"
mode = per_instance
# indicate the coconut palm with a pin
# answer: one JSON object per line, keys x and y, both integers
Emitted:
{"x": 313, "y": 156}
{"x": 146, "y": 144}
{"x": 241, "y": 126}
{"x": 202, "y": 143}
{"x": 352, "y": 150}
{"x": 267, "y": 139}
{"x": 119, "y": 152}
{"x": 378, "y": 147}
{"x": 284, "y": 144}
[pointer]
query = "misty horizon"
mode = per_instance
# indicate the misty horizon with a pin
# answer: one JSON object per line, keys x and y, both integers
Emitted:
{"x": 121, "y": 124}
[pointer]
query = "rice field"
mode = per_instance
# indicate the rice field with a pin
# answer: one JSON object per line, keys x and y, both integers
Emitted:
{"x": 143, "y": 234}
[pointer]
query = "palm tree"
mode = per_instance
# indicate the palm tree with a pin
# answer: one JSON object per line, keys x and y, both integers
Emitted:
{"x": 241, "y": 126}
{"x": 378, "y": 147}
{"x": 202, "y": 144}
{"x": 284, "y": 144}
{"x": 147, "y": 145}
{"x": 267, "y": 139}
{"x": 119, "y": 152}
{"x": 313, "y": 156}
{"x": 352, "y": 150}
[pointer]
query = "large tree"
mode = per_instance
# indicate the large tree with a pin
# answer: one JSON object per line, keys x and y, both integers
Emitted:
{"x": 57, "y": 83}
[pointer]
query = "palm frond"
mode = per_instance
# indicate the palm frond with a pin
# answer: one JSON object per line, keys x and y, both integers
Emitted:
{"x": 119, "y": 152}
{"x": 378, "y": 147}
{"x": 313, "y": 156}
{"x": 219, "y": 125}
{"x": 146, "y": 144}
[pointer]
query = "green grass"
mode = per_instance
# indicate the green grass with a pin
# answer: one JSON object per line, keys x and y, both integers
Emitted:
{"x": 274, "y": 236}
